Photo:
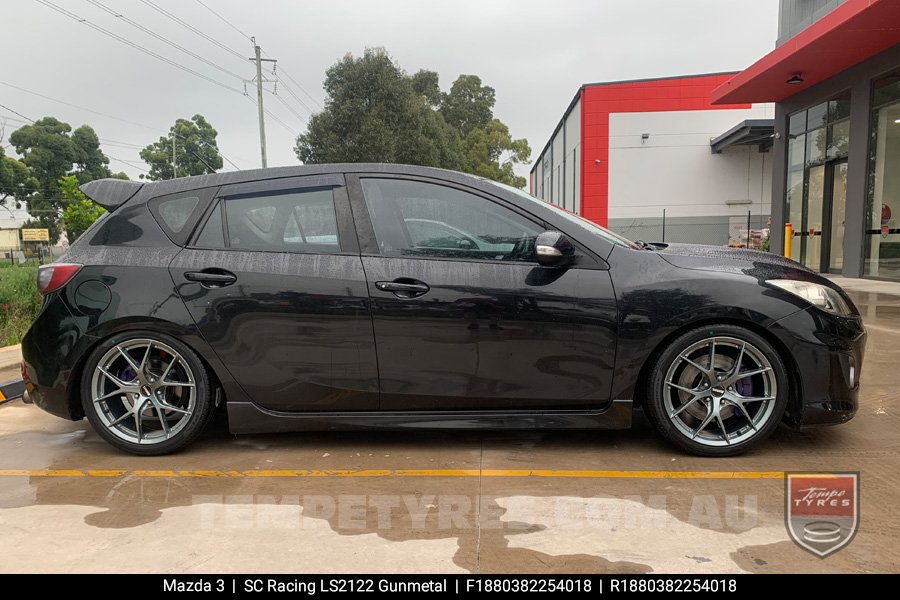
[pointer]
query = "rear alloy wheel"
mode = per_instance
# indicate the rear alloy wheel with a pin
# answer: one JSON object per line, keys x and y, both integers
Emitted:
{"x": 146, "y": 393}
{"x": 717, "y": 391}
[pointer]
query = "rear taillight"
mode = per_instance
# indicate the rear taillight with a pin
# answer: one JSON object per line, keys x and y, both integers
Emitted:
{"x": 54, "y": 276}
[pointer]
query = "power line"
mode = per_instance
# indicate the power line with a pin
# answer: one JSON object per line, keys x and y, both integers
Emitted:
{"x": 223, "y": 19}
{"x": 161, "y": 38}
{"x": 288, "y": 106}
{"x": 108, "y": 116}
{"x": 191, "y": 28}
{"x": 136, "y": 46}
{"x": 16, "y": 113}
{"x": 302, "y": 89}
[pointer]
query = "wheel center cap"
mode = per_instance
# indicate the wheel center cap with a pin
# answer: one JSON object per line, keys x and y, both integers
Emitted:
{"x": 146, "y": 391}
{"x": 717, "y": 391}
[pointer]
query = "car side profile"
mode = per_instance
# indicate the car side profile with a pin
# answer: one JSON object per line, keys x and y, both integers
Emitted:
{"x": 367, "y": 295}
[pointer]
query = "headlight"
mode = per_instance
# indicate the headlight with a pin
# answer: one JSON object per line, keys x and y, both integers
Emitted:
{"x": 818, "y": 295}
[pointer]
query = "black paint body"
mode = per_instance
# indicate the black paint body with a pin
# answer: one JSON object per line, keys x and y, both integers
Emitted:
{"x": 309, "y": 341}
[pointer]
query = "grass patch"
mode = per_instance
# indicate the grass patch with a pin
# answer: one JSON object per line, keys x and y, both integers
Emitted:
{"x": 19, "y": 302}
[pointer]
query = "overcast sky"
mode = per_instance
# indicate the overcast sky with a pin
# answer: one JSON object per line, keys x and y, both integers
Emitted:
{"x": 535, "y": 53}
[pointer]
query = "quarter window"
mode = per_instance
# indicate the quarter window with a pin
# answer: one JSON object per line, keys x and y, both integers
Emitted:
{"x": 283, "y": 222}
{"x": 177, "y": 211}
{"x": 413, "y": 218}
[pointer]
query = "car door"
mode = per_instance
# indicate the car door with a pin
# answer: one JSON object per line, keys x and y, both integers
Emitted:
{"x": 275, "y": 284}
{"x": 477, "y": 325}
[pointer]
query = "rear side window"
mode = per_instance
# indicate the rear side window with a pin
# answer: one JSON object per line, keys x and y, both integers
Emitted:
{"x": 292, "y": 221}
{"x": 176, "y": 212}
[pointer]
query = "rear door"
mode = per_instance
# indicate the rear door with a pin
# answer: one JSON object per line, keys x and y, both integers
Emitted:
{"x": 464, "y": 317}
{"x": 274, "y": 282}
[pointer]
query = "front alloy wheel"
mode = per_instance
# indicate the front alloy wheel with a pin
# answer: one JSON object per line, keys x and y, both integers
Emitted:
{"x": 146, "y": 394}
{"x": 718, "y": 391}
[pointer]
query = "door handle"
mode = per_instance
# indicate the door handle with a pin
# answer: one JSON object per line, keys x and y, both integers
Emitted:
{"x": 211, "y": 278}
{"x": 403, "y": 287}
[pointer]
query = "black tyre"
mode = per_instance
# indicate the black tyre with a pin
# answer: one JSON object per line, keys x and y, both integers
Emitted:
{"x": 717, "y": 391}
{"x": 146, "y": 393}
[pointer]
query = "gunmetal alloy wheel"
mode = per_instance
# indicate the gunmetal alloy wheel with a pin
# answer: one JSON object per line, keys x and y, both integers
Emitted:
{"x": 718, "y": 391}
{"x": 147, "y": 394}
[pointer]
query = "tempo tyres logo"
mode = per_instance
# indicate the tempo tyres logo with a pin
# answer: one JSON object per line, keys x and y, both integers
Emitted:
{"x": 821, "y": 510}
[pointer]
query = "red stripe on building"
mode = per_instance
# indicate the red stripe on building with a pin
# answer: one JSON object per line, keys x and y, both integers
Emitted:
{"x": 599, "y": 101}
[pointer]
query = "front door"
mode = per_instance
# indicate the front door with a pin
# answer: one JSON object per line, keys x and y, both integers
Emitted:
{"x": 275, "y": 284}
{"x": 464, "y": 317}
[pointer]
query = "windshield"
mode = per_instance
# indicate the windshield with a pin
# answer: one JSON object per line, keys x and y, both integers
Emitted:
{"x": 606, "y": 234}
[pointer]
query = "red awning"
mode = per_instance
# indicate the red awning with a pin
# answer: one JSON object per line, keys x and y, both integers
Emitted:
{"x": 851, "y": 33}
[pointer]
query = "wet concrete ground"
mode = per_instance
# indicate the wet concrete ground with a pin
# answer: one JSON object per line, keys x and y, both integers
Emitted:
{"x": 412, "y": 502}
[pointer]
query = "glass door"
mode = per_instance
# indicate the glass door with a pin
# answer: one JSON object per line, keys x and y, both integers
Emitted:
{"x": 837, "y": 193}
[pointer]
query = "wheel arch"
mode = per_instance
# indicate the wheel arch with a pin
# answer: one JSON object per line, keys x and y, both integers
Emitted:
{"x": 792, "y": 412}
{"x": 112, "y": 329}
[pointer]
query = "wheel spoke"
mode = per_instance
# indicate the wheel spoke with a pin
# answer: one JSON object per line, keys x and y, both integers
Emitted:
{"x": 694, "y": 364}
{"x": 740, "y": 359}
{"x": 117, "y": 392}
{"x": 722, "y": 428}
{"x": 119, "y": 419}
{"x": 742, "y": 399}
{"x": 161, "y": 416}
{"x": 138, "y": 415}
{"x": 119, "y": 382}
{"x": 171, "y": 364}
{"x": 129, "y": 359}
{"x": 759, "y": 371}
{"x": 703, "y": 424}
{"x": 146, "y": 356}
{"x": 167, "y": 406}
{"x": 740, "y": 406}
{"x": 681, "y": 408}
{"x": 683, "y": 389}
{"x": 712, "y": 355}
{"x": 176, "y": 384}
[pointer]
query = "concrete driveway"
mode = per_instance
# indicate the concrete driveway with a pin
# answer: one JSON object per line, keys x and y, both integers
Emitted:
{"x": 409, "y": 502}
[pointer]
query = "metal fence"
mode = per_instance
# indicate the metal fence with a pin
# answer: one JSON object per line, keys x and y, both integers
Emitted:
{"x": 29, "y": 255}
{"x": 739, "y": 231}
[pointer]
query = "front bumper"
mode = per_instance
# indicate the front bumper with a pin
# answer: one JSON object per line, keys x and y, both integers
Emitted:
{"x": 828, "y": 352}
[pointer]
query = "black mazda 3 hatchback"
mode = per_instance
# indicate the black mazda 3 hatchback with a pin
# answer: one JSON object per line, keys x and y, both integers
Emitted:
{"x": 366, "y": 295}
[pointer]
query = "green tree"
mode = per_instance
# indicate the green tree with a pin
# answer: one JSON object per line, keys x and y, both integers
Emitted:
{"x": 373, "y": 114}
{"x": 90, "y": 162}
{"x": 196, "y": 151}
{"x": 51, "y": 150}
{"x": 16, "y": 182}
{"x": 80, "y": 212}
{"x": 491, "y": 152}
{"x": 468, "y": 105}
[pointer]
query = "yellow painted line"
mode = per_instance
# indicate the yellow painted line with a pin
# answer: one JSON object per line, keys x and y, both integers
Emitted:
{"x": 589, "y": 474}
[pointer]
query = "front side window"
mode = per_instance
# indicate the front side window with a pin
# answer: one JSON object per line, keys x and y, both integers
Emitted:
{"x": 295, "y": 221}
{"x": 414, "y": 218}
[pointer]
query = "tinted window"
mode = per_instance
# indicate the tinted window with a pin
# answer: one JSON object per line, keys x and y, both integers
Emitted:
{"x": 424, "y": 219}
{"x": 177, "y": 211}
{"x": 283, "y": 222}
{"x": 213, "y": 235}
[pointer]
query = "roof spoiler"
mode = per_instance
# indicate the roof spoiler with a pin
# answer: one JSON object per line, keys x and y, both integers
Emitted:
{"x": 111, "y": 193}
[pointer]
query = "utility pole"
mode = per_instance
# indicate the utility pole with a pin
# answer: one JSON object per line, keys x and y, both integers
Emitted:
{"x": 259, "y": 80}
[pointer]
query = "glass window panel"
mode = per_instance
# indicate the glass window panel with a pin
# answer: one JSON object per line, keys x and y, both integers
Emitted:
{"x": 815, "y": 146}
{"x": 285, "y": 222}
{"x": 212, "y": 235}
{"x": 882, "y": 246}
{"x": 176, "y": 212}
{"x": 839, "y": 107}
{"x": 797, "y": 123}
{"x": 839, "y": 139}
{"x": 887, "y": 89}
{"x": 796, "y": 152}
{"x": 813, "y": 229}
{"x": 817, "y": 116}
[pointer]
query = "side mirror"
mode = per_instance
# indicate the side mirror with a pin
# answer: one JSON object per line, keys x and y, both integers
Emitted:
{"x": 553, "y": 249}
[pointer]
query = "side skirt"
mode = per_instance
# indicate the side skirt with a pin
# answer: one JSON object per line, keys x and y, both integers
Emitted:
{"x": 246, "y": 417}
